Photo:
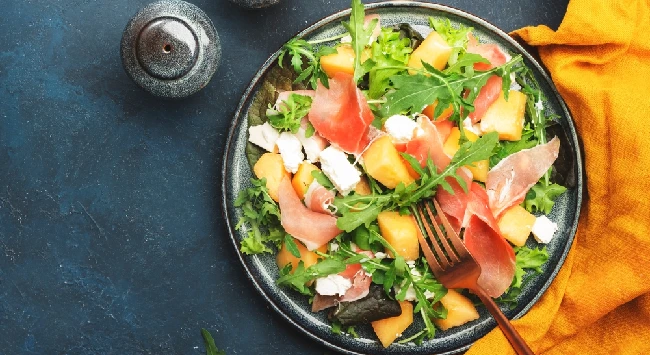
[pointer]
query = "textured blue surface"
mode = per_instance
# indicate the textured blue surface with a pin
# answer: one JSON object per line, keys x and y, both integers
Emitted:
{"x": 111, "y": 231}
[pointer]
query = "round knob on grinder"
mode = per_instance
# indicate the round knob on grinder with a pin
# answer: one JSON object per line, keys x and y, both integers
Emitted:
{"x": 171, "y": 49}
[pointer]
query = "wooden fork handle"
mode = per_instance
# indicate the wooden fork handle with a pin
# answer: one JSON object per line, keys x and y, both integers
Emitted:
{"x": 518, "y": 343}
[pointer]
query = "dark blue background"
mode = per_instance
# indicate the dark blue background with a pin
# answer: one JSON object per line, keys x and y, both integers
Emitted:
{"x": 111, "y": 232}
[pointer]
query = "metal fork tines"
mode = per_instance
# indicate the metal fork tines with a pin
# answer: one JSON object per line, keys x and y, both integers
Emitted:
{"x": 451, "y": 260}
{"x": 455, "y": 267}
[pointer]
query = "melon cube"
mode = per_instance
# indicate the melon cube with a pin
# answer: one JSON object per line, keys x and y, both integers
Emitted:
{"x": 271, "y": 167}
{"x": 342, "y": 60}
{"x": 434, "y": 50}
{"x": 480, "y": 168}
{"x": 384, "y": 163}
{"x": 516, "y": 224}
{"x": 389, "y": 329}
{"x": 303, "y": 178}
{"x": 506, "y": 117}
{"x": 460, "y": 310}
{"x": 401, "y": 232}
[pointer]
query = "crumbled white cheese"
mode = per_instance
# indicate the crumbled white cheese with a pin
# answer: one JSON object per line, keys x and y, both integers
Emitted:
{"x": 539, "y": 105}
{"x": 291, "y": 151}
{"x": 380, "y": 255}
{"x": 263, "y": 136}
{"x": 429, "y": 295}
{"x": 410, "y": 292}
{"x": 401, "y": 128}
{"x": 333, "y": 285}
{"x": 513, "y": 83}
{"x": 313, "y": 145}
{"x": 347, "y": 39}
{"x": 335, "y": 165}
{"x": 334, "y": 247}
{"x": 544, "y": 229}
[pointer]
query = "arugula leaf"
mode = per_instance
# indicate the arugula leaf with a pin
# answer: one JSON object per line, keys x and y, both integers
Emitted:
{"x": 305, "y": 60}
{"x": 360, "y": 35}
{"x": 322, "y": 179}
{"x": 414, "y": 92}
{"x": 259, "y": 213}
{"x": 457, "y": 38}
{"x": 291, "y": 246}
{"x": 465, "y": 64}
{"x": 527, "y": 259}
{"x": 289, "y": 114}
{"x": 506, "y": 148}
{"x": 210, "y": 346}
{"x": 301, "y": 275}
{"x": 542, "y": 198}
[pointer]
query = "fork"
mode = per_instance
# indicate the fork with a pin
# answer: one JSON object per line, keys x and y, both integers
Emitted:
{"x": 454, "y": 266}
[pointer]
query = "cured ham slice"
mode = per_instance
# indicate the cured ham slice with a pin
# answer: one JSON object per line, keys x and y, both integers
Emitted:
{"x": 428, "y": 143}
{"x": 490, "y": 51}
{"x": 490, "y": 92}
{"x": 312, "y": 228}
{"x": 461, "y": 205}
{"x": 482, "y": 236}
{"x": 321, "y": 302}
{"x": 493, "y": 253}
{"x": 487, "y": 96}
{"x": 341, "y": 114}
{"x": 360, "y": 287}
{"x": 318, "y": 198}
{"x": 508, "y": 182}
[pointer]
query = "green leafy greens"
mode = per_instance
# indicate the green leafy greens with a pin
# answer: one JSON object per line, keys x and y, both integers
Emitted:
{"x": 542, "y": 198}
{"x": 288, "y": 115}
{"x": 305, "y": 60}
{"x": 388, "y": 52}
{"x": 457, "y": 38}
{"x": 260, "y": 214}
{"x": 360, "y": 35}
{"x": 527, "y": 259}
{"x": 210, "y": 346}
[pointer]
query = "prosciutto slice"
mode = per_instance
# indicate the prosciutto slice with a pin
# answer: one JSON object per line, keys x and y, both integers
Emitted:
{"x": 509, "y": 181}
{"x": 360, "y": 286}
{"x": 318, "y": 198}
{"x": 493, "y": 253}
{"x": 312, "y": 228}
{"x": 341, "y": 114}
{"x": 482, "y": 235}
{"x": 428, "y": 143}
{"x": 486, "y": 97}
{"x": 490, "y": 92}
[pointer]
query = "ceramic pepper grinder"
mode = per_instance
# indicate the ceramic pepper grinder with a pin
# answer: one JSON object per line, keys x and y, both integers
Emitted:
{"x": 255, "y": 4}
{"x": 171, "y": 49}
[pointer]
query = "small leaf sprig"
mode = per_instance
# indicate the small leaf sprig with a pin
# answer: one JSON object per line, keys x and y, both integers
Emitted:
{"x": 305, "y": 60}
{"x": 289, "y": 113}
{"x": 261, "y": 216}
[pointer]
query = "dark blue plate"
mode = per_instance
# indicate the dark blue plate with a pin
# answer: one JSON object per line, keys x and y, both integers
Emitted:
{"x": 294, "y": 307}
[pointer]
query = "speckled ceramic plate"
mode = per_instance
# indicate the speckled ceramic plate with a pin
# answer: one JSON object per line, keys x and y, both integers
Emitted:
{"x": 295, "y": 308}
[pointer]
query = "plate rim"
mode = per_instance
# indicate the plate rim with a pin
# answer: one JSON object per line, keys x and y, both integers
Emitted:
{"x": 246, "y": 96}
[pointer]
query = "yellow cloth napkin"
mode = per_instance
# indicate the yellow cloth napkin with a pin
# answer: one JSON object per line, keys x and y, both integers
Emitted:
{"x": 599, "y": 303}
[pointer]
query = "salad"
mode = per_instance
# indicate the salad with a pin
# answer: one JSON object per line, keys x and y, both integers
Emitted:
{"x": 348, "y": 134}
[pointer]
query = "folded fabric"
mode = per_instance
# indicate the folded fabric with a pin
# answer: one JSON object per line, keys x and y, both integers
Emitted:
{"x": 599, "y": 303}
